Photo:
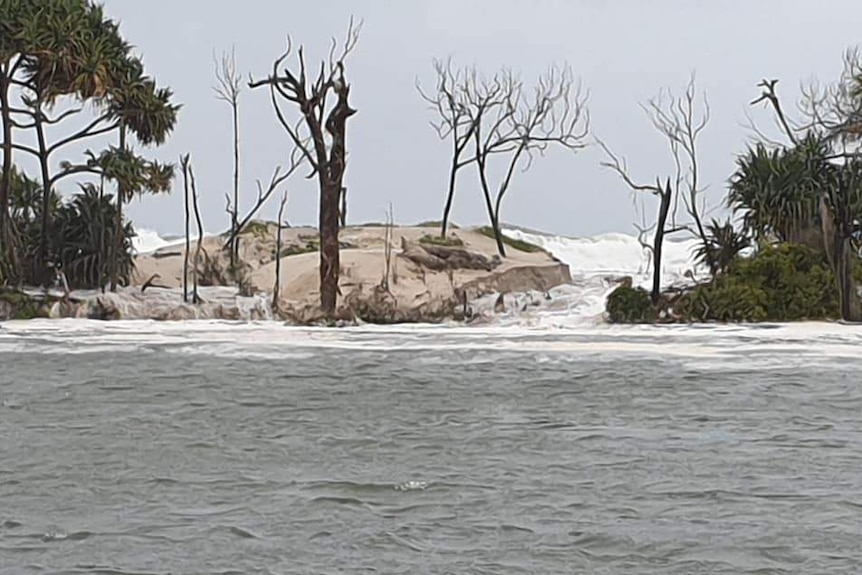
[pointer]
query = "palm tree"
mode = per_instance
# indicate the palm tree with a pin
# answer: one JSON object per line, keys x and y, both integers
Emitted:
{"x": 778, "y": 190}
{"x": 70, "y": 50}
{"x": 724, "y": 244}
{"x": 145, "y": 111}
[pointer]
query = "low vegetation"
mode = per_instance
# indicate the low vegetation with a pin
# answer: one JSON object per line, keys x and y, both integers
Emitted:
{"x": 436, "y": 224}
{"x": 785, "y": 282}
{"x": 447, "y": 242}
{"x": 519, "y": 245}
{"x": 628, "y": 304}
{"x": 20, "y": 306}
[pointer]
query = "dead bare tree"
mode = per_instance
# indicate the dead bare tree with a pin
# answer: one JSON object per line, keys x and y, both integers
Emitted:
{"x": 835, "y": 109}
{"x": 276, "y": 290}
{"x": 196, "y": 297}
{"x": 320, "y": 133}
{"x": 184, "y": 162}
{"x": 511, "y": 123}
{"x": 387, "y": 248}
{"x": 677, "y": 119}
{"x": 228, "y": 89}
{"x": 453, "y": 122}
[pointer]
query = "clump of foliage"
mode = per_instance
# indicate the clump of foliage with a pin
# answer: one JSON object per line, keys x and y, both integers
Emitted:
{"x": 437, "y": 224}
{"x": 723, "y": 246}
{"x": 777, "y": 189}
{"x": 257, "y": 229}
{"x": 450, "y": 242}
{"x": 64, "y": 64}
{"x": 21, "y": 305}
{"x": 83, "y": 238}
{"x": 786, "y": 282}
{"x": 628, "y": 304}
{"x": 297, "y": 249}
{"x": 519, "y": 245}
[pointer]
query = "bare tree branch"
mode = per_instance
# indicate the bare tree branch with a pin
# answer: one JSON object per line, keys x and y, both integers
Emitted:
{"x": 318, "y": 133}
{"x": 504, "y": 119}
{"x": 278, "y": 178}
{"x": 228, "y": 89}
{"x": 676, "y": 118}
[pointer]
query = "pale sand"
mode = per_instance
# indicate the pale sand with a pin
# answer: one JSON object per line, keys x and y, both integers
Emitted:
{"x": 411, "y": 286}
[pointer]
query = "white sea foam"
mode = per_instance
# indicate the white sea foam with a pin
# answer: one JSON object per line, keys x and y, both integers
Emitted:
{"x": 596, "y": 264}
{"x": 147, "y": 241}
{"x": 565, "y": 323}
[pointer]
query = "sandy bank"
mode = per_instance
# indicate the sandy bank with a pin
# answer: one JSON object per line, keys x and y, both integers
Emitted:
{"x": 426, "y": 282}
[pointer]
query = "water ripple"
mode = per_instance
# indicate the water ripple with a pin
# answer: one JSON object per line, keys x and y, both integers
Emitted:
{"x": 427, "y": 450}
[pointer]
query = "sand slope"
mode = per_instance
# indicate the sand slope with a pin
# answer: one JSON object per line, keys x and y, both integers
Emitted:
{"x": 415, "y": 291}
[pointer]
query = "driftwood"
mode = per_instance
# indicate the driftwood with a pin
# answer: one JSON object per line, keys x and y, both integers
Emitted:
{"x": 152, "y": 283}
{"x": 440, "y": 258}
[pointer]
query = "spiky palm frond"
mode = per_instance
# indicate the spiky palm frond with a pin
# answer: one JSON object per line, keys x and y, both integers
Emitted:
{"x": 724, "y": 244}
{"x": 778, "y": 191}
{"x": 84, "y": 234}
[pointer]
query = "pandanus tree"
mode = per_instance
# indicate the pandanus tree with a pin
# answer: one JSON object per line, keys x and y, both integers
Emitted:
{"x": 70, "y": 50}
{"x": 67, "y": 61}
{"x": 84, "y": 232}
{"x": 814, "y": 181}
{"x": 777, "y": 190}
{"x": 137, "y": 107}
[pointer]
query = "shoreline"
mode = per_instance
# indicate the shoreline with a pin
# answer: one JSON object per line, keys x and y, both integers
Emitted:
{"x": 424, "y": 279}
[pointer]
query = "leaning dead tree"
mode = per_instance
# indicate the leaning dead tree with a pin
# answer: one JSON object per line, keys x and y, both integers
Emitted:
{"x": 228, "y": 88}
{"x": 191, "y": 196}
{"x": 502, "y": 122}
{"x": 680, "y": 122}
{"x": 321, "y": 103}
{"x": 453, "y": 123}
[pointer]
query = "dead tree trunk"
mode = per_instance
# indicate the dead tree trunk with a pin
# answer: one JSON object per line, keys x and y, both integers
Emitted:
{"x": 276, "y": 289}
{"x": 455, "y": 123}
{"x": 342, "y": 215}
{"x": 184, "y": 162}
{"x": 677, "y": 120}
{"x": 509, "y": 124}
{"x": 320, "y": 134}
{"x": 387, "y": 249}
{"x": 228, "y": 90}
{"x": 278, "y": 178}
{"x": 658, "y": 242}
{"x": 197, "y": 261}
{"x": 118, "y": 246}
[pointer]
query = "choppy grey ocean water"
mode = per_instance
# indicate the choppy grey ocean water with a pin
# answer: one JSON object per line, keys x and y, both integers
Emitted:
{"x": 142, "y": 448}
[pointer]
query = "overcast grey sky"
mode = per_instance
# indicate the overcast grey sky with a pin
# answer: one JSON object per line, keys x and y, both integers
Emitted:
{"x": 623, "y": 50}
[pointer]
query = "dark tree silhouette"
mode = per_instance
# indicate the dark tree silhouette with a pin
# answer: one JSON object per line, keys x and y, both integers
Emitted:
{"x": 501, "y": 119}
{"x": 320, "y": 133}
{"x": 677, "y": 119}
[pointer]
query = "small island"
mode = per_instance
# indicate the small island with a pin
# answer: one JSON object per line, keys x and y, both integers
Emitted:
{"x": 788, "y": 250}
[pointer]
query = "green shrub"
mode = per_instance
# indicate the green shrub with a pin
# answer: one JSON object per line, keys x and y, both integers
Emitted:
{"x": 436, "y": 224}
{"x": 257, "y": 228}
{"x": 449, "y": 242}
{"x": 788, "y": 282}
{"x": 630, "y": 305}
{"x": 520, "y": 245}
{"x": 725, "y": 301}
{"x": 22, "y": 306}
